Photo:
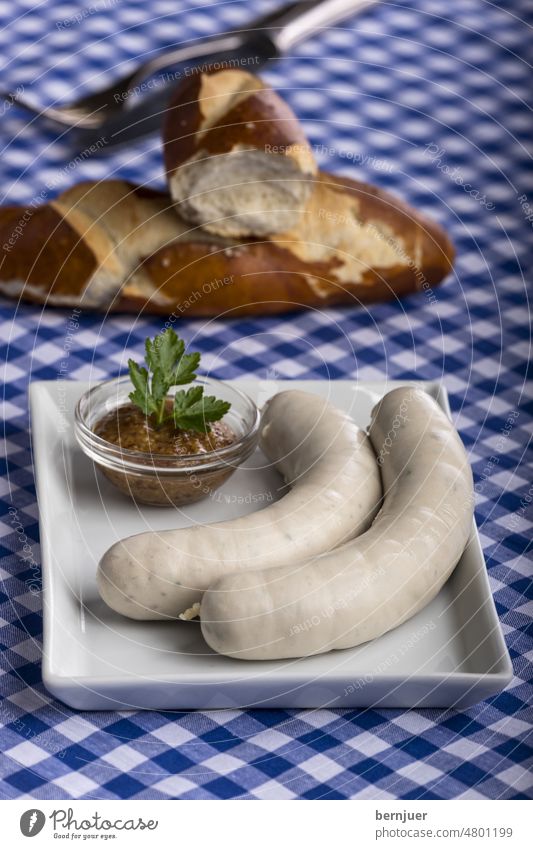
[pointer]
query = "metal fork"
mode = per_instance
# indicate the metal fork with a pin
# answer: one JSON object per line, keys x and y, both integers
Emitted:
{"x": 295, "y": 20}
{"x": 93, "y": 110}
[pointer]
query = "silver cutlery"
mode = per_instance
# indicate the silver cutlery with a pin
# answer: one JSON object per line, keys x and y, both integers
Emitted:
{"x": 107, "y": 117}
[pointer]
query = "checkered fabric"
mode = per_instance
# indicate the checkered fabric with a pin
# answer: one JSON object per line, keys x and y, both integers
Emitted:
{"x": 414, "y": 96}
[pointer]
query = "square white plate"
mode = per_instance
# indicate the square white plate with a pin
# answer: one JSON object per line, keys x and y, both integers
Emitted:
{"x": 451, "y": 653}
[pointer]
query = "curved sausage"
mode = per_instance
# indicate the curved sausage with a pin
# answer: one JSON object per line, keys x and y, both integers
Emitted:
{"x": 335, "y": 493}
{"x": 377, "y": 581}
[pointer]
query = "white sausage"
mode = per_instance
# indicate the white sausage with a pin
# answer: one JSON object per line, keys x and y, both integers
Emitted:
{"x": 374, "y": 582}
{"x": 335, "y": 494}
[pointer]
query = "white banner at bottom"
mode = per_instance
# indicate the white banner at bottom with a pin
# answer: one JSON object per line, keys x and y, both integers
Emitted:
{"x": 241, "y": 824}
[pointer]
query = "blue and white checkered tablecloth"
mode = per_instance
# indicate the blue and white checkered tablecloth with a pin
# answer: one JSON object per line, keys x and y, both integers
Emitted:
{"x": 428, "y": 99}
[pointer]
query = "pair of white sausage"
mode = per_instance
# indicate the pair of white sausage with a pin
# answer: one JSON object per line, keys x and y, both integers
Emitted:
{"x": 376, "y": 581}
{"x": 335, "y": 494}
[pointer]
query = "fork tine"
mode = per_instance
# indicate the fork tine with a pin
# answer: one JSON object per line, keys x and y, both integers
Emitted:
{"x": 66, "y": 116}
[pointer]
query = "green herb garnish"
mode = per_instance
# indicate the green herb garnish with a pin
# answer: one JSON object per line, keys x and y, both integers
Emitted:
{"x": 168, "y": 366}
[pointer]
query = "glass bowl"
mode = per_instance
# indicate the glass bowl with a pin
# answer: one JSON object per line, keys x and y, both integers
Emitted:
{"x": 165, "y": 479}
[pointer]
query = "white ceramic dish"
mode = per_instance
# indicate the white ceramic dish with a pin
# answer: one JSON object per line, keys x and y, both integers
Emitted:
{"x": 451, "y": 654}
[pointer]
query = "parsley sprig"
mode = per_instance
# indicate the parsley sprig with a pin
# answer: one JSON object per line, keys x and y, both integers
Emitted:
{"x": 168, "y": 366}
